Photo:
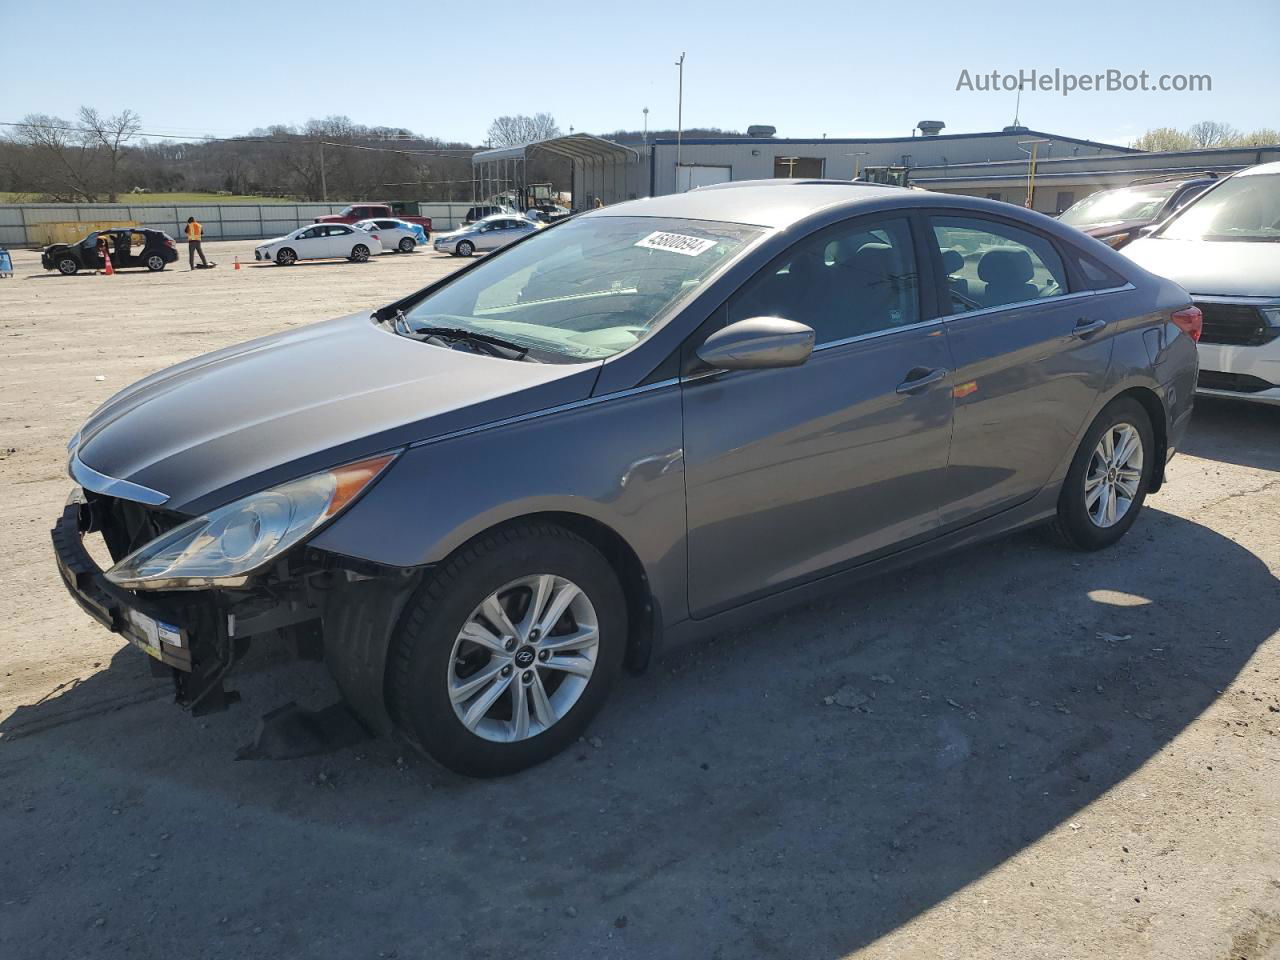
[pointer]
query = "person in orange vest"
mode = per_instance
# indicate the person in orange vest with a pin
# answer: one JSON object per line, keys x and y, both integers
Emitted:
{"x": 194, "y": 233}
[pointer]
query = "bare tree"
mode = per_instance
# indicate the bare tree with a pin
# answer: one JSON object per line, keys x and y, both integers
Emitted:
{"x": 1212, "y": 133}
{"x": 521, "y": 128}
{"x": 110, "y": 135}
{"x": 58, "y": 162}
{"x": 1164, "y": 138}
{"x": 1263, "y": 137}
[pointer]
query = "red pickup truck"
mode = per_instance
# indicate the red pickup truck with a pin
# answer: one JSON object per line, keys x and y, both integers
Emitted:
{"x": 374, "y": 211}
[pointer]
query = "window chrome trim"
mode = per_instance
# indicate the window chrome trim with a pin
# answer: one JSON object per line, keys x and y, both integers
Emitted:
{"x": 559, "y": 408}
{"x": 1060, "y": 298}
{"x": 96, "y": 482}
{"x": 876, "y": 334}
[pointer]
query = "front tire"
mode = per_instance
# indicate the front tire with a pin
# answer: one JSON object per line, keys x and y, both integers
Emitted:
{"x": 503, "y": 656}
{"x": 406, "y": 245}
{"x": 68, "y": 267}
{"x": 285, "y": 257}
{"x": 466, "y": 248}
{"x": 1109, "y": 477}
{"x": 359, "y": 253}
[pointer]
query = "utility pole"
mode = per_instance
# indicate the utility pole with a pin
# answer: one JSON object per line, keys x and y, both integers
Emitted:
{"x": 679, "y": 117}
{"x": 1031, "y": 169}
{"x": 324, "y": 186}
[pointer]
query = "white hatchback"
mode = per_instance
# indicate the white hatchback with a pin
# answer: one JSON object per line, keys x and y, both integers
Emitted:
{"x": 320, "y": 241}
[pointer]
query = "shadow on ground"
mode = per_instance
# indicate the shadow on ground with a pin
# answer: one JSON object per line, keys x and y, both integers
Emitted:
{"x": 1234, "y": 431}
{"x": 728, "y": 809}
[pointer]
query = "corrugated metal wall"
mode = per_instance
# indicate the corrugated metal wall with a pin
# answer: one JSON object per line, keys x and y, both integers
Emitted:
{"x": 20, "y": 223}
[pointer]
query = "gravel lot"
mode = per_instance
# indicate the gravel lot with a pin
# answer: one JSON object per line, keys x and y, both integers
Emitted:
{"x": 1016, "y": 751}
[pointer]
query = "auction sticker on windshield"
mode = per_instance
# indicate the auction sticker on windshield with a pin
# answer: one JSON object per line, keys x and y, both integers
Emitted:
{"x": 676, "y": 243}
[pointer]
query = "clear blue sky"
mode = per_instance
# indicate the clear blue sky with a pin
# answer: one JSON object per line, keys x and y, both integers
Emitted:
{"x": 447, "y": 69}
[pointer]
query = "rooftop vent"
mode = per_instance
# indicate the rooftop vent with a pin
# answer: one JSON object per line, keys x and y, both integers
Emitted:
{"x": 761, "y": 130}
{"x": 1016, "y": 128}
{"x": 930, "y": 128}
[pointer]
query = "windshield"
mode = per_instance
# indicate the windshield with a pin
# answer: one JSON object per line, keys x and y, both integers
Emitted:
{"x": 1241, "y": 208}
{"x": 1128, "y": 203}
{"x": 348, "y": 212}
{"x": 586, "y": 289}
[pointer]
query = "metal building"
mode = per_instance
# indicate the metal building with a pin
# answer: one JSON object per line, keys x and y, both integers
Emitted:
{"x": 600, "y": 169}
{"x": 707, "y": 160}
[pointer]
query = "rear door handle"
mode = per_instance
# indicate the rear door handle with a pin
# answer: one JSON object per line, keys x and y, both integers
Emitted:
{"x": 919, "y": 378}
{"x": 1086, "y": 328}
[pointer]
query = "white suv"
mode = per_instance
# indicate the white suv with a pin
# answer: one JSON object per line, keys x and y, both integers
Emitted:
{"x": 1224, "y": 249}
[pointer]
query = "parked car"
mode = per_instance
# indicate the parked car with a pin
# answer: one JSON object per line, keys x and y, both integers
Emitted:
{"x": 320, "y": 241}
{"x": 484, "y": 210}
{"x": 485, "y": 235}
{"x": 396, "y": 235}
{"x": 375, "y": 211}
{"x": 1225, "y": 249}
{"x": 638, "y": 426}
{"x": 1117, "y": 217}
{"x": 128, "y": 246}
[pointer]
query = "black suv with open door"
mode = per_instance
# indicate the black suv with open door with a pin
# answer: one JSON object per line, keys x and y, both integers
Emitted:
{"x": 128, "y": 247}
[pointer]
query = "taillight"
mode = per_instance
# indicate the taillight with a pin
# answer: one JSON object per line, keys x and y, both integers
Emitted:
{"x": 1190, "y": 321}
{"x": 168, "y": 242}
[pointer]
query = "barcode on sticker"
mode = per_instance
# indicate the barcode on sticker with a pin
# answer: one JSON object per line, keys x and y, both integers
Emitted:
{"x": 676, "y": 243}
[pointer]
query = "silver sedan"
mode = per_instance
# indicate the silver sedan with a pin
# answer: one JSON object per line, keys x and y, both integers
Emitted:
{"x": 491, "y": 233}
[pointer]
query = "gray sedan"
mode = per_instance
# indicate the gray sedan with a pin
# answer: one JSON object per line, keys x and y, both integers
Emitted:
{"x": 491, "y": 233}
{"x": 482, "y": 501}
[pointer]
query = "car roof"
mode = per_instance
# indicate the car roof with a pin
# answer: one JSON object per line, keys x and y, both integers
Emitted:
{"x": 1273, "y": 167}
{"x": 766, "y": 203}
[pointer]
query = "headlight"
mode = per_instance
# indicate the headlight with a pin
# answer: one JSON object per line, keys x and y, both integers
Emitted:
{"x": 1270, "y": 316}
{"x": 225, "y": 546}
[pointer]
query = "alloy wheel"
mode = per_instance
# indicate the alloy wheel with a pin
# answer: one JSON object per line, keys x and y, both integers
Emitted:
{"x": 1114, "y": 476}
{"x": 523, "y": 658}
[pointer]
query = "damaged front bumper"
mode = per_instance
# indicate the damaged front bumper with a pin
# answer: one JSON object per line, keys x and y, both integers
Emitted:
{"x": 331, "y": 608}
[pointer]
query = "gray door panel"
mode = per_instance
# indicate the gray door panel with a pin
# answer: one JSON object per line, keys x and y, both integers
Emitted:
{"x": 791, "y": 473}
{"x": 1024, "y": 382}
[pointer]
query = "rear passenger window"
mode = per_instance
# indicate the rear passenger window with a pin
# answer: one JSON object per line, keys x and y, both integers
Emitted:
{"x": 845, "y": 281}
{"x": 1098, "y": 277}
{"x": 989, "y": 263}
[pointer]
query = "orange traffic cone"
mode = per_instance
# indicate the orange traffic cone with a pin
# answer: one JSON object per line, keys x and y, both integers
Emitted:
{"x": 237, "y": 263}
{"x": 110, "y": 270}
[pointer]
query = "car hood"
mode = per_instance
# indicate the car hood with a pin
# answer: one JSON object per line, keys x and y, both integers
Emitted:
{"x": 227, "y": 424}
{"x": 1107, "y": 228}
{"x": 267, "y": 243}
{"x": 1220, "y": 268}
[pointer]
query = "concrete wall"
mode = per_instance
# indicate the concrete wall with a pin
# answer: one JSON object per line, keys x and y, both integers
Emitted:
{"x": 753, "y": 159}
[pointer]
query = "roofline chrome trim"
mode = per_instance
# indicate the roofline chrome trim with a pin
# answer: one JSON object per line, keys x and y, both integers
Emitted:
{"x": 548, "y": 411}
{"x": 96, "y": 482}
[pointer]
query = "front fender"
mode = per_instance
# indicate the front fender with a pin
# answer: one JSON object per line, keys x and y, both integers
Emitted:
{"x": 617, "y": 460}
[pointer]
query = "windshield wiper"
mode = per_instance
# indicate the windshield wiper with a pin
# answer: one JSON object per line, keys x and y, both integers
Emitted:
{"x": 494, "y": 346}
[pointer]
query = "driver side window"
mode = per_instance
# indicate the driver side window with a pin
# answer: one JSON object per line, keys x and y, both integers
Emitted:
{"x": 847, "y": 280}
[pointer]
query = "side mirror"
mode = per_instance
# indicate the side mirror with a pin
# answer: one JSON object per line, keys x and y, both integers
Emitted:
{"x": 758, "y": 343}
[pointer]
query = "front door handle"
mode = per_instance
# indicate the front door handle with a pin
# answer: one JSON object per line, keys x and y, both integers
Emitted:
{"x": 1086, "y": 328}
{"x": 921, "y": 377}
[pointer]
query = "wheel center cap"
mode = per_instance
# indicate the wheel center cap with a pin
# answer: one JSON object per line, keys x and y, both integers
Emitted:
{"x": 1112, "y": 474}
{"x": 524, "y": 657}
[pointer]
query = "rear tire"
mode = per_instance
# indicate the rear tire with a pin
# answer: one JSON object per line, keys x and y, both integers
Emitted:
{"x": 1109, "y": 477}
{"x": 432, "y": 658}
{"x": 466, "y": 248}
{"x": 285, "y": 257}
{"x": 68, "y": 267}
{"x": 406, "y": 245}
{"x": 155, "y": 263}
